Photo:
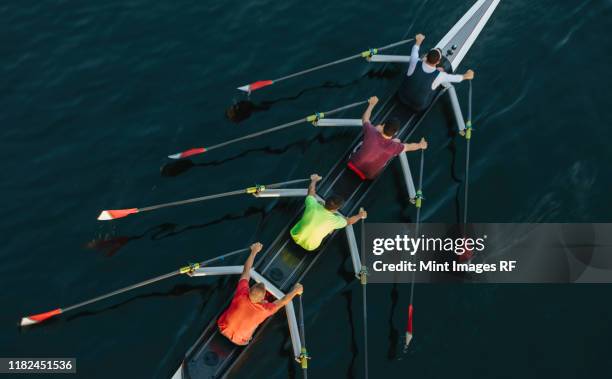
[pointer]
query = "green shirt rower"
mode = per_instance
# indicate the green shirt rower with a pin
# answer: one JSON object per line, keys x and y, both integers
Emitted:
{"x": 319, "y": 220}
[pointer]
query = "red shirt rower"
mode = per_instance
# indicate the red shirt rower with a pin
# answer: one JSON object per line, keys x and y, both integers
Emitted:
{"x": 249, "y": 308}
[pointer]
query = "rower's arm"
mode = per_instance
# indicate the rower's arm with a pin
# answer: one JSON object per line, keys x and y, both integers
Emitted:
{"x": 297, "y": 290}
{"x": 444, "y": 77}
{"x": 353, "y": 219}
{"x": 422, "y": 145}
{"x": 414, "y": 53}
{"x": 312, "y": 187}
{"x": 372, "y": 101}
{"x": 414, "y": 58}
{"x": 246, "y": 270}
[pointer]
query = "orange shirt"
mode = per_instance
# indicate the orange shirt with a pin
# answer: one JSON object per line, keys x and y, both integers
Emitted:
{"x": 242, "y": 317}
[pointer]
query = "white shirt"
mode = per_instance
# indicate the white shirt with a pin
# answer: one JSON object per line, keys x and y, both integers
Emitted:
{"x": 442, "y": 77}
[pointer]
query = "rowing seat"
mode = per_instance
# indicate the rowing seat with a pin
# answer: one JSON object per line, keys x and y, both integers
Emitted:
{"x": 357, "y": 171}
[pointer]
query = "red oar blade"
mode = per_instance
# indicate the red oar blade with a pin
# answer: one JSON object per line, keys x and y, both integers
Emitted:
{"x": 188, "y": 153}
{"x": 37, "y": 319}
{"x": 256, "y": 85}
{"x": 410, "y": 313}
{"x": 112, "y": 214}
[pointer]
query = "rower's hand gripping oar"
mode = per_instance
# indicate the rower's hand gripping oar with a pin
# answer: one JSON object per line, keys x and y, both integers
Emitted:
{"x": 313, "y": 118}
{"x": 367, "y": 54}
{"x": 112, "y": 214}
{"x": 186, "y": 270}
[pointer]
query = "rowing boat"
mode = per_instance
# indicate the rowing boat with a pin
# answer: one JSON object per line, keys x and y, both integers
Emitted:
{"x": 282, "y": 263}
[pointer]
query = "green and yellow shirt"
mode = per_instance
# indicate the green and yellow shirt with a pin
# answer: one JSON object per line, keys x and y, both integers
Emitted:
{"x": 316, "y": 223}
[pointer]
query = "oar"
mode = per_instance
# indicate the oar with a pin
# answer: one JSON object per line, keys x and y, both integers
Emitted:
{"x": 364, "y": 282}
{"x": 365, "y": 54}
{"x": 311, "y": 118}
{"x": 304, "y": 357}
{"x": 38, "y": 318}
{"x": 113, "y": 214}
{"x": 468, "y": 138}
{"x": 419, "y": 203}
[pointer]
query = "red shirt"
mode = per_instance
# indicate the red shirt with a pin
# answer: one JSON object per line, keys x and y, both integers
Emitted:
{"x": 374, "y": 152}
{"x": 242, "y": 317}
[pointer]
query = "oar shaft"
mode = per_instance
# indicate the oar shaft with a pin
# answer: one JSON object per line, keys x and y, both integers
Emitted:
{"x": 365, "y": 329}
{"x": 257, "y": 134}
{"x": 365, "y": 299}
{"x": 122, "y": 290}
{"x": 149, "y": 281}
{"x": 467, "y": 157}
{"x": 282, "y": 184}
{"x": 215, "y": 196}
{"x": 338, "y": 61}
{"x": 420, "y": 190}
{"x": 302, "y": 333}
{"x": 194, "y": 200}
{"x": 469, "y": 115}
{"x": 224, "y": 256}
{"x": 283, "y": 126}
{"x": 319, "y": 67}
{"x": 417, "y": 228}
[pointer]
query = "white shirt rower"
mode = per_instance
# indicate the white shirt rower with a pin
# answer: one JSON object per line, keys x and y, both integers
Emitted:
{"x": 423, "y": 77}
{"x": 443, "y": 77}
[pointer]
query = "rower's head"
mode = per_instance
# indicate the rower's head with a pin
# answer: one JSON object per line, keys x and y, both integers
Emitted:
{"x": 333, "y": 203}
{"x": 257, "y": 293}
{"x": 434, "y": 56}
{"x": 390, "y": 127}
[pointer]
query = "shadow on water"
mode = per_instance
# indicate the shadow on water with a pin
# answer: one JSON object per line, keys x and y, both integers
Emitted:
{"x": 453, "y": 135}
{"x": 181, "y": 166}
{"x": 394, "y": 334}
{"x": 178, "y": 290}
{"x": 243, "y": 109}
{"x": 112, "y": 245}
{"x": 348, "y": 296}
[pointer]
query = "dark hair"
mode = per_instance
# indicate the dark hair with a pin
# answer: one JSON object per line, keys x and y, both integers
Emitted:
{"x": 391, "y": 127}
{"x": 334, "y": 202}
{"x": 434, "y": 56}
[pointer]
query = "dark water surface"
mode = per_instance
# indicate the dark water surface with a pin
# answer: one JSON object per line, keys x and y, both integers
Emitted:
{"x": 96, "y": 93}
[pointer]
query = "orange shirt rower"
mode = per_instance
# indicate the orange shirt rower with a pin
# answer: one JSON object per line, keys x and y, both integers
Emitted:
{"x": 249, "y": 307}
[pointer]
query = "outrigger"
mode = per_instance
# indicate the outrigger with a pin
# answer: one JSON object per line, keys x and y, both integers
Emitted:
{"x": 283, "y": 264}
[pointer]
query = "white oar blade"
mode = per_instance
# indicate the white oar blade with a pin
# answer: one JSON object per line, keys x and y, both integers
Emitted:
{"x": 25, "y": 321}
{"x": 246, "y": 88}
{"x": 408, "y": 339}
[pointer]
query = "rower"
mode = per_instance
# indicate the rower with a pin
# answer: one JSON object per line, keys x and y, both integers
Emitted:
{"x": 320, "y": 220}
{"x": 249, "y": 308}
{"x": 378, "y": 146}
{"x": 423, "y": 77}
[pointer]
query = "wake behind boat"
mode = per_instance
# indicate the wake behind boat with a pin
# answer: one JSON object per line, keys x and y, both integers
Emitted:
{"x": 283, "y": 263}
